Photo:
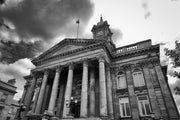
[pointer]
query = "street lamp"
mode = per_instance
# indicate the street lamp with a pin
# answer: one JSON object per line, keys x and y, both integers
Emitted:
{"x": 45, "y": 116}
{"x": 21, "y": 109}
{"x": 161, "y": 118}
{"x": 152, "y": 116}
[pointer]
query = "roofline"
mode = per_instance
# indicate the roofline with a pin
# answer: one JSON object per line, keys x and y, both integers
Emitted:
{"x": 8, "y": 83}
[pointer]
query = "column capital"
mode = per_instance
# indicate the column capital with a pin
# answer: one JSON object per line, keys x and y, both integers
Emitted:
{"x": 85, "y": 62}
{"x": 46, "y": 71}
{"x": 112, "y": 70}
{"x": 71, "y": 65}
{"x": 108, "y": 67}
{"x": 101, "y": 59}
{"x": 127, "y": 66}
{"x": 145, "y": 63}
{"x": 155, "y": 61}
{"x": 39, "y": 82}
{"x": 58, "y": 68}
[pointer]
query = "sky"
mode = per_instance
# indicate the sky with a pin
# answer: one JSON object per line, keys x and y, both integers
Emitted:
{"x": 29, "y": 27}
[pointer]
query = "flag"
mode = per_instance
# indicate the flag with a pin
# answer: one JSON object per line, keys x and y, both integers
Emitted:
{"x": 77, "y": 22}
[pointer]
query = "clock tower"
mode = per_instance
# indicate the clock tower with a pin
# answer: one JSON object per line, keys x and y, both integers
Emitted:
{"x": 102, "y": 31}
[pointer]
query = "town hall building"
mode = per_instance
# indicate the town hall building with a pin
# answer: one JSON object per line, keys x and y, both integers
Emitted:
{"x": 92, "y": 79}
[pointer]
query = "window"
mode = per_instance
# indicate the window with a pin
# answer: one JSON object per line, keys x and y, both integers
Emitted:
{"x": 138, "y": 78}
{"x": 121, "y": 80}
{"x": 4, "y": 97}
{"x": 144, "y": 106}
{"x": 124, "y": 107}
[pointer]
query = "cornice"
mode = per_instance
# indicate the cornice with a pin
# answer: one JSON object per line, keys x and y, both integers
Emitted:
{"x": 65, "y": 41}
{"x": 9, "y": 90}
{"x": 37, "y": 62}
{"x": 135, "y": 52}
{"x": 92, "y": 45}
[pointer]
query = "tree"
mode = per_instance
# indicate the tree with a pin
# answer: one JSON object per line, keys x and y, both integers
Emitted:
{"x": 174, "y": 55}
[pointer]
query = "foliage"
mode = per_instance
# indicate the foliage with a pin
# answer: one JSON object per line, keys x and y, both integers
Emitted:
{"x": 174, "y": 54}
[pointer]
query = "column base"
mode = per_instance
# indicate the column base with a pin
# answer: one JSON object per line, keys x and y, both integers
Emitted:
{"x": 48, "y": 113}
{"x": 104, "y": 117}
{"x": 90, "y": 118}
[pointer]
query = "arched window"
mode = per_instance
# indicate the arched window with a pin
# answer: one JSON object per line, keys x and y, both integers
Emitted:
{"x": 121, "y": 80}
{"x": 138, "y": 78}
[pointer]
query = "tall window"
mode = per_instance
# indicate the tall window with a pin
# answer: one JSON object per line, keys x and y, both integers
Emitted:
{"x": 138, "y": 78}
{"x": 124, "y": 107}
{"x": 144, "y": 106}
{"x": 121, "y": 80}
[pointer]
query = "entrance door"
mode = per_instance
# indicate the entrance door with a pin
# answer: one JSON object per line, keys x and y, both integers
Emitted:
{"x": 76, "y": 110}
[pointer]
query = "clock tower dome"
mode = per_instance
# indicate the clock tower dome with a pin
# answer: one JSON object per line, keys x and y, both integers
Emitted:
{"x": 102, "y": 31}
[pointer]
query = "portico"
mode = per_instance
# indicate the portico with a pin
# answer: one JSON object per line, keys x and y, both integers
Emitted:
{"x": 78, "y": 84}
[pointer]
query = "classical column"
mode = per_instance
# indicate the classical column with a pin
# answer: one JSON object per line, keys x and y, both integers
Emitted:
{"x": 109, "y": 92}
{"x": 68, "y": 91}
{"x": 23, "y": 95}
{"x": 102, "y": 85}
{"x": 84, "y": 95}
{"x": 41, "y": 94}
{"x": 45, "y": 98}
{"x": 54, "y": 91}
{"x": 92, "y": 93}
{"x": 30, "y": 93}
{"x": 60, "y": 100}
{"x": 36, "y": 98}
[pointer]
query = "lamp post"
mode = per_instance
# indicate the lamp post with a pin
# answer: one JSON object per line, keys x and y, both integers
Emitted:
{"x": 21, "y": 109}
{"x": 152, "y": 116}
{"x": 161, "y": 118}
{"x": 44, "y": 117}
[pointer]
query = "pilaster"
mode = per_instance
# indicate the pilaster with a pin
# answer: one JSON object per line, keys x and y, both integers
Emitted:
{"x": 149, "y": 82}
{"x": 132, "y": 96}
{"x": 170, "y": 105}
{"x": 114, "y": 95}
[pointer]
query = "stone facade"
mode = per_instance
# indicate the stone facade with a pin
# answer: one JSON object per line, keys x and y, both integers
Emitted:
{"x": 92, "y": 79}
{"x": 8, "y": 107}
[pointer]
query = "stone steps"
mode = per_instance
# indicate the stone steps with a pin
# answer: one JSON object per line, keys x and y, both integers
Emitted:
{"x": 81, "y": 119}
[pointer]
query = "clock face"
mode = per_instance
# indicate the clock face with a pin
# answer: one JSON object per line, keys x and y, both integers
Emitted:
{"x": 99, "y": 33}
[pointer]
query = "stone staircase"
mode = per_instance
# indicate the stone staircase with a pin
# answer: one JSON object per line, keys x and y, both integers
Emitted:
{"x": 81, "y": 119}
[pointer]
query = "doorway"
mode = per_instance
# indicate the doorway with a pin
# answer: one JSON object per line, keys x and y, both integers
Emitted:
{"x": 76, "y": 109}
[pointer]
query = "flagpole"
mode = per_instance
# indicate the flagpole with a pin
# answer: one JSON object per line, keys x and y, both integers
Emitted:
{"x": 77, "y": 28}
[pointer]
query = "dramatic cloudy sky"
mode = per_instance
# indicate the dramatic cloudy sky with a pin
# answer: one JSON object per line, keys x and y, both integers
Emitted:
{"x": 29, "y": 27}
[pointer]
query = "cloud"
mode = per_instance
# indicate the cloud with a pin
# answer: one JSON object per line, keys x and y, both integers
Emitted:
{"x": 11, "y": 51}
{"x": 46, "y": 18}
{"x": 16, "y": 70}
{"x": 117, "y": 35}
{"x": 145, "y": 6}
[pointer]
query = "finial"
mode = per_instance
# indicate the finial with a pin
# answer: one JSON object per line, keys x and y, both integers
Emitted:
{"x": 101, "y": 20}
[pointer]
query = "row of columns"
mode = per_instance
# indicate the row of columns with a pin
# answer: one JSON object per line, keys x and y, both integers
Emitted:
{"x": 105, "y": 102}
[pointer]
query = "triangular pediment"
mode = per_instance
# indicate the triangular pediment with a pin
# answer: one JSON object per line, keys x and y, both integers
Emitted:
{"x": 65, "y": 46}
{"x": 65, "y": 49}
